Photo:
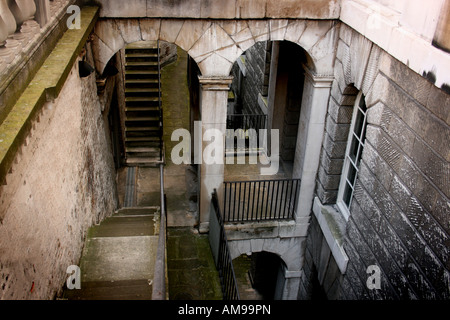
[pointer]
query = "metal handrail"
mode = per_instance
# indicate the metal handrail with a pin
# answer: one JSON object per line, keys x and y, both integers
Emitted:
{"x": 160, "y": 276}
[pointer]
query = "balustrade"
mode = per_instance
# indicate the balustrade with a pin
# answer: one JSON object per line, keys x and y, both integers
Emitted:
{"x": 20, "y": 22}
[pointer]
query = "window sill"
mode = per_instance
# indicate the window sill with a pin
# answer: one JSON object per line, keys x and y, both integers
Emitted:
{"x": 333, "y": 226}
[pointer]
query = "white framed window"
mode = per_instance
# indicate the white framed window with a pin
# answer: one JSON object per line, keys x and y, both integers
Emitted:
{"x": 356, "y": 142}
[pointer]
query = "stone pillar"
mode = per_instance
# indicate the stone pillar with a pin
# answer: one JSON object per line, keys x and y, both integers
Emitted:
{"x": 316, "y": 96}
{"x": 213, "y": 108}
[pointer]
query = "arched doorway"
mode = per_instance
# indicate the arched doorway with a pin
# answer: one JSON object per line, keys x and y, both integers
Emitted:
{"x": 260, "y": 276}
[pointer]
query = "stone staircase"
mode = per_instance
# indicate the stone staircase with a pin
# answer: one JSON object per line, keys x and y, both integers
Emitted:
{"x": 143, "y": 122}
{"x": 118, "y": 260}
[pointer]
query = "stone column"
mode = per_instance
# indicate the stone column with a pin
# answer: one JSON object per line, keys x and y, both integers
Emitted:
{"x": 213, "y": 108}
{"x": 316, "y": 96}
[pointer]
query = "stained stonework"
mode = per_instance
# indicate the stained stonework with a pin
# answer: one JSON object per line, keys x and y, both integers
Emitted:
{"x": 217, "y": 44}
{"x": 54, "y": 192}
{"x": 402, "y": 196}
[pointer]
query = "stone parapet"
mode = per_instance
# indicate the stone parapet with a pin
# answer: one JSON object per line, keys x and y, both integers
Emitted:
{"x": 46, "y": 85}
{"x": 33, "y": 26}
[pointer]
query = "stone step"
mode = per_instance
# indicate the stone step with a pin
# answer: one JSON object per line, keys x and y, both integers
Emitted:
{"x": 143, "y": 139}
{"x": 142, "y": 129}
{"x": 138, "y": 211}
{"x": 133, "y": 55}
{"x": 141, "y": 64}
{"x": 145, "y": 99}
{"x": 126, "y": 226}
{"x": 139, "y": 119}
{"x": 153, "y": 162}
{"x": 142, "y": 150}
{"x": 112, "y": 290}
{"x": 142, "y": 90}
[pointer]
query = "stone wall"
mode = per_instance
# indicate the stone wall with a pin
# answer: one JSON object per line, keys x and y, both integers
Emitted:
{"x": 62, "y": 182}
{"x": 255, "y": 82}
{"x": 219, "y": 9}
{"x": 399, "y": 217}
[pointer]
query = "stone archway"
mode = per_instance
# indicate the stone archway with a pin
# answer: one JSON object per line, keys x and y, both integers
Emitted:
{"x": 216, "y": 45}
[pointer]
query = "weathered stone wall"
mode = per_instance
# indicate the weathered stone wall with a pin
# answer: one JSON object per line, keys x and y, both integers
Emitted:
{"x": 63, "y": 181}
{"x": 399, "y": 217}
{"x": 319, "y": 268}
{"x": 219, "y": 9}
{"x": 255, "y": 82}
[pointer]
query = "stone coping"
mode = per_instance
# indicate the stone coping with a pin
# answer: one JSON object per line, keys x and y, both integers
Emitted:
{"x": 45, "y": 86}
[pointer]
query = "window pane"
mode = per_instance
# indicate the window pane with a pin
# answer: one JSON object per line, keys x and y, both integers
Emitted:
{"x": 351, "y": 176}
{"x": 347, "y": 195}
{"x": 362, "y": 104}
{"x": 359, "y": 123}
{"x": 353, "y": 153}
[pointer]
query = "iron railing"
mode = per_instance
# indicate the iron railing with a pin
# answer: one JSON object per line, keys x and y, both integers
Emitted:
{"x": 221, "y": 253}
{"x": 247, "y": 121}
{"x": 250, "y": 126}
{"x": 263, "y": 200}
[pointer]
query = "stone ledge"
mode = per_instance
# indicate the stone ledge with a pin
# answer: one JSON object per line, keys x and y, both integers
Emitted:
{"x": 266, "y": 230}
{"x": 45, "y": 86}
{"x": 333, "y": 227}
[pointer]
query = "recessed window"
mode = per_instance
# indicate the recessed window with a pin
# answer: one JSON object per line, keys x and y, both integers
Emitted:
{"x": 353, "y": 156}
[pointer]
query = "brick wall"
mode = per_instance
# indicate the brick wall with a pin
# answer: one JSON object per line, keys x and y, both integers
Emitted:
{"x": 63, "y": 181}
{"x": 399, "y": 219}
{"x": 256, "y": 81}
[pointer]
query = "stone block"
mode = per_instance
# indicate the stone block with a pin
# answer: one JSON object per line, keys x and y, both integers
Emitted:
{"x": 308, "y": 9}
{"x": 295, "y": 30}
{"x": 346, "y": 34}
{"x": 217, "y": 9}
{"x": 116, "y": 9}
{"x": 315, "y": 30}
{"x": 150, "y": 29}
{"x": 332, "y": 166}
{"x": 277, "y": 29}
{"x": 434, "y": 167}
{"x": 335, "y": 149}
{"x": 439, "y": 103}
{"x": 413, "y": 83}
{"x": 251, "y": 9}
{"x": 130, "y": 30}
{"x": 339, "y": 113}
{"x": 360, "y": 50}
{"x": 170, "y": 29}
{"x": 337, "y": 132}
{"x": 174, "y": 9}
{"x": 260, "y": 30}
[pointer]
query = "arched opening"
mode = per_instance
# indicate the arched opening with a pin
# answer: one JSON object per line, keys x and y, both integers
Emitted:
{"x": 156, "y": 92}
{"x": 260, "y": 276}
{"x": 267, "y": 93}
